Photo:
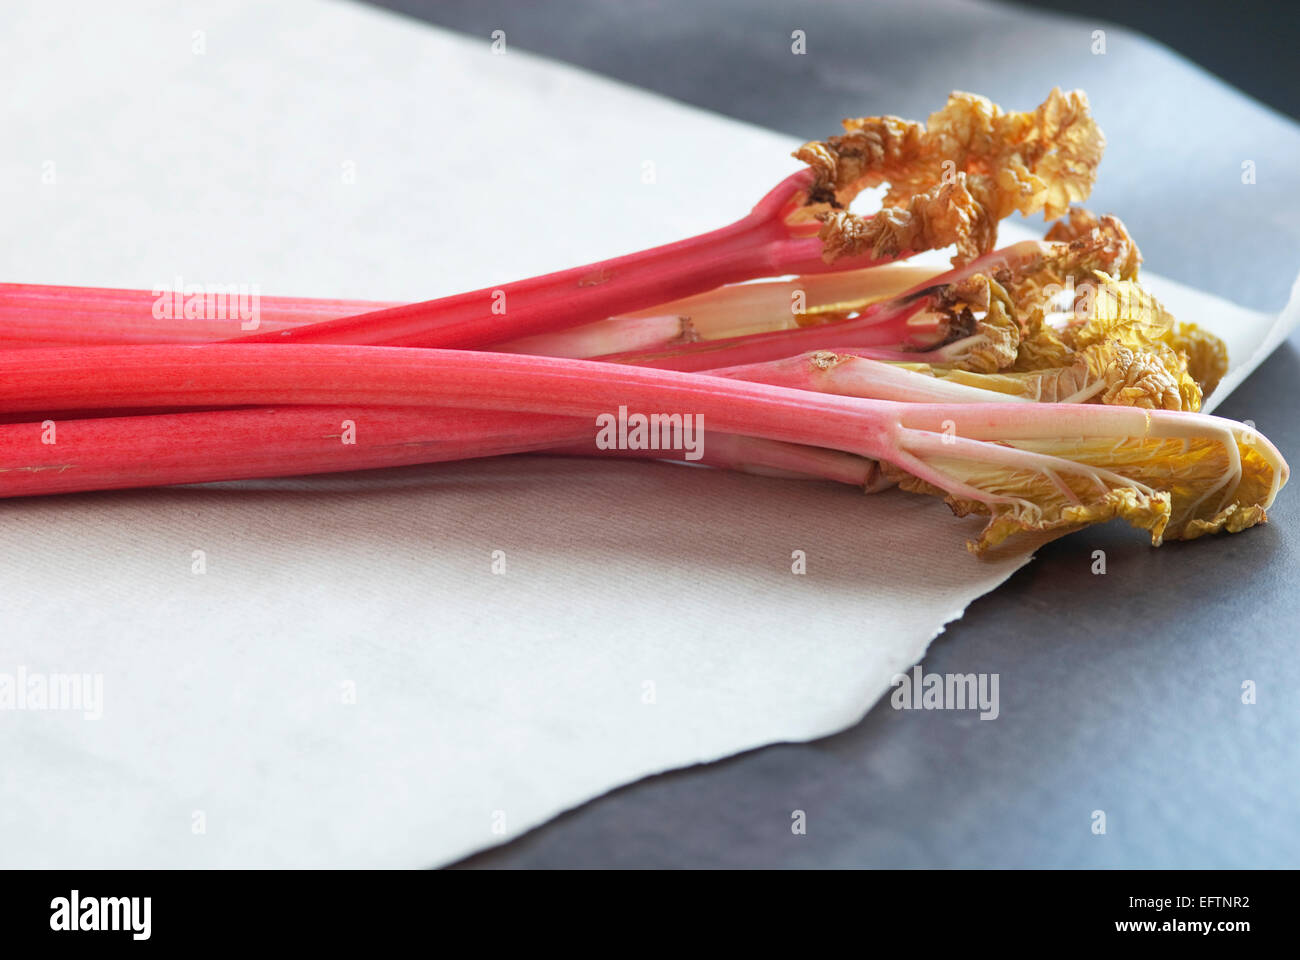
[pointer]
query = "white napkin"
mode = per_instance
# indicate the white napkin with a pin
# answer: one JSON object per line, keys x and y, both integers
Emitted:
{"x": 348, "y": 682}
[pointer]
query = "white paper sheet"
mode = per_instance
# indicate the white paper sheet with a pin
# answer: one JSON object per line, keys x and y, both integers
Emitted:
{"x": 348, "y": 682}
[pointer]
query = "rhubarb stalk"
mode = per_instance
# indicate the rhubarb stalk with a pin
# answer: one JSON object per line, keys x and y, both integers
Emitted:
{"x": 759, "y": 245}
{"x": 116, "y": 452}
{"x": 1030, "y": 466}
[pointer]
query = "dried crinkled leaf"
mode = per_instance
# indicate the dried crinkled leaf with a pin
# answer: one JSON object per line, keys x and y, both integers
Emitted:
{"x": 945, "y": 214}
{"x": 1034, "y": 502}
{"x": 871, "y": 151}
{"x": 1107, "y": 372}
{"x": 1096, "y": 243}
{"x": 1117, "y": 350}
{"x": 1138, "y": 379}
{"x": 1211, "y": 483}
{"x": 1113, "y": 301}
{"x": 1206, "y": 354}
{"x": 979, "y": 319}
{"x": 1126, "y": 332}
{"x": 1176, "y": 475}
{"x": 1078, "y": 249}
{"x": 1119, "y": 344}
{"x": 998, "y": 162}
{"x": 1041, "y": 345}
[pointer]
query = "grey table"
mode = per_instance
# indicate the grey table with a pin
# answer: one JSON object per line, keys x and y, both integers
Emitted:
{"x": 1121, "y": 692}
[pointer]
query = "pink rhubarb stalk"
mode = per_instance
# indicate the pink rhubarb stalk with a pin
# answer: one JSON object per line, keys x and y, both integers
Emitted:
{"x": 108, "y": 453}
{"x": 34, "y": 315}
{"x": 885, "y": 329}
{"x": 1034, "y": 466}
{"x": 761, "y": 244}
{"x": 325, "y": 374}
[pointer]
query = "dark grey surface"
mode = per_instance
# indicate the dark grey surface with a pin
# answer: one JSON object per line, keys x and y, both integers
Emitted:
{"x": 1119, "y": 692}
{"x": 1243, "y": 46}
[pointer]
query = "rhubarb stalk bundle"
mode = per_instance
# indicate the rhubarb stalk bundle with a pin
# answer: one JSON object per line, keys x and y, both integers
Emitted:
{"x": 1037, "y": 384}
